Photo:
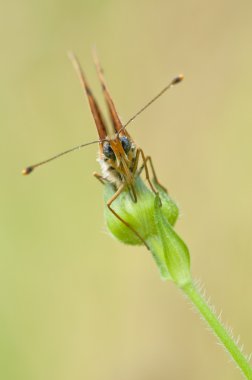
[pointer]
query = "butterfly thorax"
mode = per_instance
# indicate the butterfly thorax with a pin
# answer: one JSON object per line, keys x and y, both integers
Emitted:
{"x": 117, "y": 160}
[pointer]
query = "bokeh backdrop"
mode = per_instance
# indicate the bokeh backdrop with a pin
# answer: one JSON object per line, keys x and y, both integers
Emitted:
{"x": 76, "y": 304}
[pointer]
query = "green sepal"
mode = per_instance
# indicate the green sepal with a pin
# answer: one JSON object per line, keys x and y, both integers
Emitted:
{"x": 176, "y": 253}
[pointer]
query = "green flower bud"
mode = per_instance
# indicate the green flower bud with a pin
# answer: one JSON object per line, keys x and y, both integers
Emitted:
{"x": 140, "y": 214}
{"x": 153, "y": 220}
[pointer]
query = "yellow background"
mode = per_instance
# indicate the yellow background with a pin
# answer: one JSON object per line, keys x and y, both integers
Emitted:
{"x": 76, "y": 304}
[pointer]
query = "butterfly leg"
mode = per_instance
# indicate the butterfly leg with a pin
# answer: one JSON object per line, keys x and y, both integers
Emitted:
{"x": 100, "y": 178}
{"x": 145, "y": 167}
{"x": 149, "y": 159}
{"x": 109, "y": 203}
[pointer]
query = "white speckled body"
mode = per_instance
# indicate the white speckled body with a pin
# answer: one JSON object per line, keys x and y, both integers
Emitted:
{"x": 111, "y": 168}
{"x": 109, "y": 173}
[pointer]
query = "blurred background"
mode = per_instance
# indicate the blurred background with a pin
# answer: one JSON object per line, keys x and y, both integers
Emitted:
{"x": 76, "y": 304}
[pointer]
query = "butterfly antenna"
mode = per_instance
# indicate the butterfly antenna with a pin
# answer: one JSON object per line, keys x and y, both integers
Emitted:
{"x": 176, "y": 80}
{"x": 31, "y": 168}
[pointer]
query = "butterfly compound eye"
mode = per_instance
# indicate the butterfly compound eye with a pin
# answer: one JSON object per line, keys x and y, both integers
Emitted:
{"x": 126, "y": 144}
{"x": 108, "y": 151}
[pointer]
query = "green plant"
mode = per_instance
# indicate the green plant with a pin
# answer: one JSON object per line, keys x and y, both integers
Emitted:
{"x": 154, "y": 220}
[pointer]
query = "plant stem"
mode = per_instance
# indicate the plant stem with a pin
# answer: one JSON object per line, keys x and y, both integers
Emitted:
{"x": 217, "y": 327}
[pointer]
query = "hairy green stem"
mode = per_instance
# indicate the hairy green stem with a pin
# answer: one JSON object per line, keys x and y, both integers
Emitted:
{"x": 217, "y": 327}
{"x": 153, "y": 217}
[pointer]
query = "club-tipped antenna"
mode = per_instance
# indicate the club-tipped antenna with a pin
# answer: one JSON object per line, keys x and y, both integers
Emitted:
{"x": 176, "y": 80}
{"x": 30, "y": 169}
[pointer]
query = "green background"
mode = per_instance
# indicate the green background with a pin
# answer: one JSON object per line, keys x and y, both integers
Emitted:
{"x": 76, "y": 304}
